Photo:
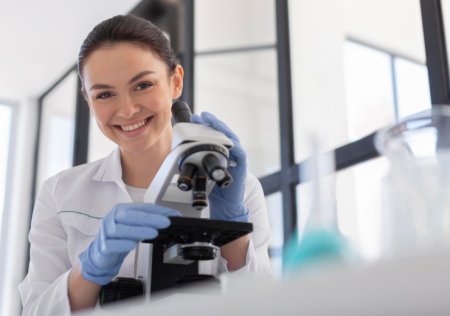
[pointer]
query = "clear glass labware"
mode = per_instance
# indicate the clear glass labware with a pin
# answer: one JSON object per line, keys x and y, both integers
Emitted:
{"x": 416, "y": 190}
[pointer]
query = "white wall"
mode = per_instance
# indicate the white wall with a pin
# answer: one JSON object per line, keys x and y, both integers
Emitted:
{"x": 40, "y": 40}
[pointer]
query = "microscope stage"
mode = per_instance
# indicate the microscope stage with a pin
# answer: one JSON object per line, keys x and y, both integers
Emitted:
{"x": 186, "y": 230}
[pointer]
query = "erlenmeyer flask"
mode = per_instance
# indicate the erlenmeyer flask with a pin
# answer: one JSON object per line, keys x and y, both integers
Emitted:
{"x": 321, "y": 245}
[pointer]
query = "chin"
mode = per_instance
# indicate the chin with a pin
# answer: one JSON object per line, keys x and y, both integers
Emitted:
{"x": 137, "y": 148}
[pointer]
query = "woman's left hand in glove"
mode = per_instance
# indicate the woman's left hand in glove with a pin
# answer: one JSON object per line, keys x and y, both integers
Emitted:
{"x": 228, "y": 203}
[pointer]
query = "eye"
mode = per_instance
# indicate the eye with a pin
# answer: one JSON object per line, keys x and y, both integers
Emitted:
{"x": 143, "y": 85}
{"x": 104, "y": 95}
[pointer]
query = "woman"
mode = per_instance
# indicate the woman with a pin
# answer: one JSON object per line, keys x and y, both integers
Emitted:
{"x": 88, "y": 220}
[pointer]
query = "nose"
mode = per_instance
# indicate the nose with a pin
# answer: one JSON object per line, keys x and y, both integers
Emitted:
{"x": 127, "y": 107}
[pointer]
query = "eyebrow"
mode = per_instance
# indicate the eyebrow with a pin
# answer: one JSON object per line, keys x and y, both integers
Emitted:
{"x": 140, "y": 75}
{"x": 135, "y": 78}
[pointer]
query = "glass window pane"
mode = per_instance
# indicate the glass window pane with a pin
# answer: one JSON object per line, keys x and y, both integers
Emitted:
{"x": 275, "y": 209}
{"x": 358, "y": 191}
{"x": 316, "y": 37}
{"x": 241, "y": 89}
{"x": 319, "y": 30}
{"x": 5, "y": 137}
{"x": 234, "y": 23}
{"x": 304, "y": 199}
{"x": 56, "y": 139}
{"x": 413, "y": 90}
{"x": 368, "y": 90}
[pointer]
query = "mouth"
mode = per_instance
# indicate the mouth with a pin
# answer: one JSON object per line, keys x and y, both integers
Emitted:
{"x": 134, "y": 126}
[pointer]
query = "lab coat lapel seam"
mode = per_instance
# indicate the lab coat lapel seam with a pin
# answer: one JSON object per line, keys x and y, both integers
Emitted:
{"x": 110, "y": 169}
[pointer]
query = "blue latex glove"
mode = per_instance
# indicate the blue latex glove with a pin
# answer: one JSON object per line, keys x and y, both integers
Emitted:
{"x": 228, "y": 203}
{"x": 120, "y": 232}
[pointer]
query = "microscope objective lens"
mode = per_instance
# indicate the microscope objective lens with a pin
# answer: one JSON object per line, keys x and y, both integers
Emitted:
{"x": 186, "y": 174}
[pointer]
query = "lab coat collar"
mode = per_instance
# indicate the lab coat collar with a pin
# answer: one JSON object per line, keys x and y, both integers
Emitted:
{"x": 110, "y": 169}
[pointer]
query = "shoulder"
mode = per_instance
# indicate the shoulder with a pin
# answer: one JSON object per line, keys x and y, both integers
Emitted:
{"x": 75, "y": 174}
{"x": 81, "y": 170}
{"x": 82, "y": 189}
{"x": 252, "y": 182}
{"x": 90, "y": 189}
{"x": 253, "y": 187}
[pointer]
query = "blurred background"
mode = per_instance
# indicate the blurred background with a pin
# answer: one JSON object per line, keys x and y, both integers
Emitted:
{"x": 274, "y": 70}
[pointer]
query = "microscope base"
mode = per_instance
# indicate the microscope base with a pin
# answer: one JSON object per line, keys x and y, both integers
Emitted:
{"x": 186, "y": 231}
{"x": 165, "y": 276}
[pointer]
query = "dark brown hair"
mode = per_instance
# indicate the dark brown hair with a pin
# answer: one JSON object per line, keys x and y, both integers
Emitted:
{"x": 127, "y": 28}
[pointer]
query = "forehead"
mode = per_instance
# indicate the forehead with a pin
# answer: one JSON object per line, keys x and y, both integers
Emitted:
{"x": 121, "y": 59}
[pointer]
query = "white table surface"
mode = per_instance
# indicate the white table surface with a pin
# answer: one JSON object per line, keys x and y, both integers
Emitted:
{"x": 415, "y": 285}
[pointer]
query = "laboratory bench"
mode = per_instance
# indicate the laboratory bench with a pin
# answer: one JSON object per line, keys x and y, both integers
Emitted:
{"x": 408, "y": 285}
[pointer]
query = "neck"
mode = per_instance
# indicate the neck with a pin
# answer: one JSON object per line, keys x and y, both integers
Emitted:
{"x": 139, "y": 168}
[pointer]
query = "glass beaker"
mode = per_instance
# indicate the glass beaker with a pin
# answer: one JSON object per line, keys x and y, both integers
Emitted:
{"x": 416, "y": 189}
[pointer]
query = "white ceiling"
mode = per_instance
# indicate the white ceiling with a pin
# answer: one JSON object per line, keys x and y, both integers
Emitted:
{"x": 39, "y": 40}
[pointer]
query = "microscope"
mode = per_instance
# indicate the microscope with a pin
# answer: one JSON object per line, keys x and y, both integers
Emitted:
{"x": 197, "y": 162}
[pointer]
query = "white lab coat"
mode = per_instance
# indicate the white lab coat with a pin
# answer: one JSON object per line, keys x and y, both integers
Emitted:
{"x": 66, "y": 218}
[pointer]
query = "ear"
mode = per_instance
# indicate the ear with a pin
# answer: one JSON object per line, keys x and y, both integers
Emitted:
{"x": 177, "y": 82}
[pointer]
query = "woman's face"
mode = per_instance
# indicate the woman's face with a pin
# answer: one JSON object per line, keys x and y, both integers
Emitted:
{"x": 130, "y": 92}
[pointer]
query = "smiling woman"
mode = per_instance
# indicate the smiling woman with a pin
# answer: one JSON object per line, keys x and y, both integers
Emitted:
{"x": 88, "y": 221}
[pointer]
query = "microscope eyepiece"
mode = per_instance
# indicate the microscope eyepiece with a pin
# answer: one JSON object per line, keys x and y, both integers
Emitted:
{"x": 181, "y": 112}
{"x": 216, "y": 170}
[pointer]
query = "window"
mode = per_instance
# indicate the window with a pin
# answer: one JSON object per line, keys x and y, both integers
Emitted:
{"x": 236, "y": 74}
{"x": 381, "y": 88}
{"x": 241, "y": 90}
{"x": 56, "y": 139}
{"x": 359, "y": 208}
{"x": 369, "y": 89}
{"x": 236, "y": 78}
{"x": 356, "y": 67}
{"x": 233, "y": 24}
{"x": 344, "y": 89}
{"x": 413, "y": 92}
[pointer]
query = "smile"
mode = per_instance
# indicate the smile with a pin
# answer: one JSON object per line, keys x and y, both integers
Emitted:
{"x": 135, "y": 126}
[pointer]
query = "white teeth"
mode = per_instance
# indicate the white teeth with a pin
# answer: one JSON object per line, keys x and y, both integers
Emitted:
{"x": 134, "y": 126}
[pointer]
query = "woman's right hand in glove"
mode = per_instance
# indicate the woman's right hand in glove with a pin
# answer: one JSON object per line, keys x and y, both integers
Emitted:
{"x": 120, "y": 232}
